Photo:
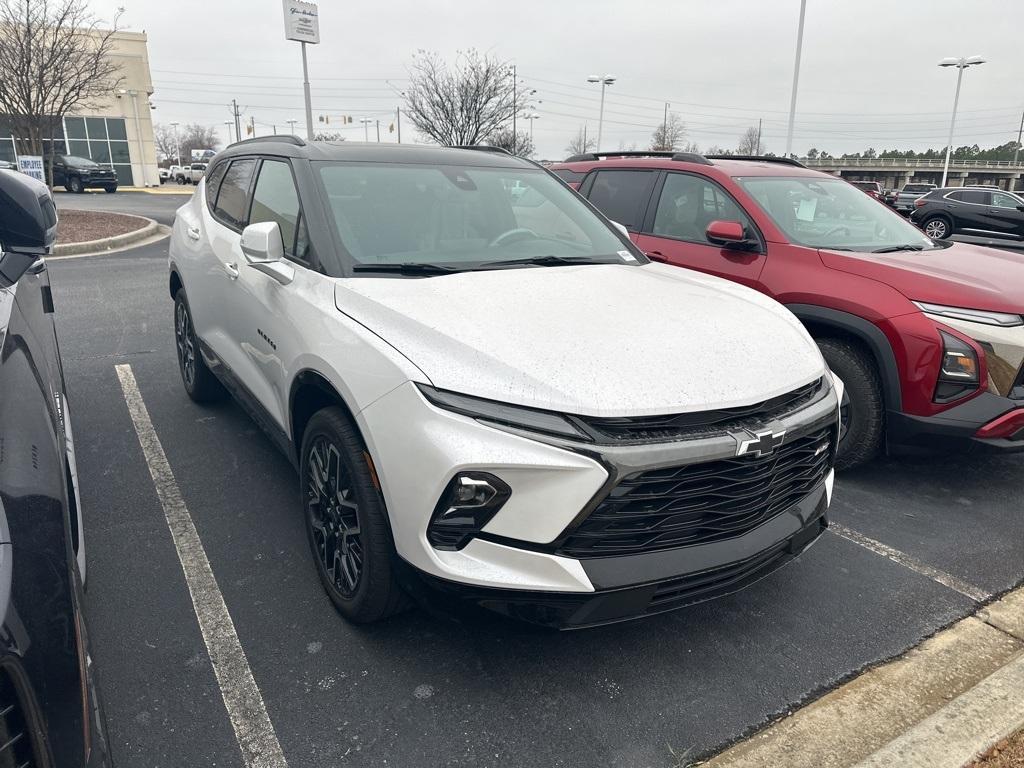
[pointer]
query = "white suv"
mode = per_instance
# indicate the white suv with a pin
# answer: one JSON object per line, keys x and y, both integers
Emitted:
{"x": 488, "y": 392}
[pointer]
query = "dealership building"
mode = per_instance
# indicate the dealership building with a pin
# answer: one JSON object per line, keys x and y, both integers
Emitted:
{"x": 117, "y": 131}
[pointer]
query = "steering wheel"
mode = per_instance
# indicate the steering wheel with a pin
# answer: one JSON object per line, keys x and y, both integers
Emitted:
{"x": 836, "y": 230}
{"x": 513, "y": 234}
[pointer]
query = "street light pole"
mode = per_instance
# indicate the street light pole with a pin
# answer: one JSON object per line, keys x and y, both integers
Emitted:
{"x": 177, "y": 142}
{"x": 291, "y": 125}
{"x": 796, "y": 78}
{"x": 604, "y": 80}
{"x": 366, "y": 128}
{"x": 961, "y": 64}
{"x": 1020, "y": 132}
{"x": 228, "y": 123}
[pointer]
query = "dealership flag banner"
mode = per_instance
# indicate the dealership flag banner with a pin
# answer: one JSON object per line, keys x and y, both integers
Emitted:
{"x": 32, "y": 165}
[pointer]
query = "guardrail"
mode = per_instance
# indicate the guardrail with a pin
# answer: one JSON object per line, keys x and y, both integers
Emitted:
{"x": 908, "y": 162}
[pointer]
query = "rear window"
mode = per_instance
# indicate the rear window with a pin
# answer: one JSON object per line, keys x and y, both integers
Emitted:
{"x": 977, "y": 196}
{"x": 622, "y": 195}
{"x": 232, "y": 200}
{"x": 918, "y": 188}
{"x": 569, "y": 176}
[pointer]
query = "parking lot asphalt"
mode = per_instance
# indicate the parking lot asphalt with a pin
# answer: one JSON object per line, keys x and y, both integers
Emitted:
{"x": 426, "y": 689}
{"x": 158, "y": 205}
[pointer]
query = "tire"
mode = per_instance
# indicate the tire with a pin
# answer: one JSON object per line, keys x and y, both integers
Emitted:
{"x": 200, "y": 383}
{"x": 75, "y": 185}
{"x": 941, "y": 226}
{"x": 110, "y": 189}
{"x": 863, "y": 407}
{"x": 356, "y": 568}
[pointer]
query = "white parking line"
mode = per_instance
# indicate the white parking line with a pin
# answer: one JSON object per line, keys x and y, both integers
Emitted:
{"x": 253, "y": 730}
{"x": 943, "y": 578}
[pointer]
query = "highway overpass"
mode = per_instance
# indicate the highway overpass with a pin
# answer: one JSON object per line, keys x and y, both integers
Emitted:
{"x": 893, "y": 172}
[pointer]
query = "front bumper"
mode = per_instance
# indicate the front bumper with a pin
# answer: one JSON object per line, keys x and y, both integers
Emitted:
{"x": 670, "y": 580}
{"x": 958, "y": 427}
{"x": 517, "y": 559}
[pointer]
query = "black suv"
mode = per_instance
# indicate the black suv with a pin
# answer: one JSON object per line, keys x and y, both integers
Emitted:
{"x": 77, "y": 174}
{"x": 978, "y": 211}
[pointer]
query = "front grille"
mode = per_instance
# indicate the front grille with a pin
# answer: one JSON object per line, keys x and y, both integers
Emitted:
{"x": 15, "y": 740}
{"x": 701, "y": 503}
{"x": 700, "y": 423}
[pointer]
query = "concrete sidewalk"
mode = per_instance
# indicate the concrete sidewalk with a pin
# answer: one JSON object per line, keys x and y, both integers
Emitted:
{"x": 937, "y": 706}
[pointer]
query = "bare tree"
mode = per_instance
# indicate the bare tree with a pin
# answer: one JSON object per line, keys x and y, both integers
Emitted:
{"x": 581, "y": 144}
{"x": 328, "y": 136}
{"x": 166, "y": 142}
{"x": 54, "y": 59}
{"x": 750, "y": 142}
{"x": 668, "y": 136}
{"x": 462, "y": 104}
{"x": 196, "y": 136}
{"x": 521, "y": 144}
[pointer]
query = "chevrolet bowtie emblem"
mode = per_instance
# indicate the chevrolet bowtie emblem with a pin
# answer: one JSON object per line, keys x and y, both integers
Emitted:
{"x": 761, "y": 444}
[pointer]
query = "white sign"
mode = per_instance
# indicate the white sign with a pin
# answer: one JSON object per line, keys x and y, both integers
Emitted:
{"x": 202, "y": 155}
{"x": 301, "y": 21}
{"x": 32, "y": 166}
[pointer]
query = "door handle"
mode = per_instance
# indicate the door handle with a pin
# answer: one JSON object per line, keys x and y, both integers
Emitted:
{"x": 232, "y": 270}
{"x": 193, "y": 233}
{"x": 656, "y": 256}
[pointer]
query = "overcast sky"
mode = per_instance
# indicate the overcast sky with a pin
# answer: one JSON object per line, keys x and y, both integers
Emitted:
{"x": 868, "y": 77}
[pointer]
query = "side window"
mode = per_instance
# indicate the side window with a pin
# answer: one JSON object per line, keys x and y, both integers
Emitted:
{"x": 275, "y": 199}
{"x": 213, "y": 183}
{"x": 233, "y": 196}
{"x": 689, "y": 203}
{"x": 622, "y": 195}
{"x": 999, "y": 200}
{"x": 977, "y": 196}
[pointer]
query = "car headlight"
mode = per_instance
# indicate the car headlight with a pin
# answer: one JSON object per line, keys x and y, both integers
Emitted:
{"x": 959, "y": 371}
{"x": 532, "y": 419}
{"x": 1004, "y": 319}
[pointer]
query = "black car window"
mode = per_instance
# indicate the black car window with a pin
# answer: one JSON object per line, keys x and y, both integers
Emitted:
{"x": 999, "y": 200}
{"x": 977, "y": 196}
{"x": 622, "y": 195}
{"x": 275, "y": 199}
{"x": 233, "y": 195}
{"x": 213, "y": 181}
{"x": 689, "y": 203}
{"x": 568, "y": 175}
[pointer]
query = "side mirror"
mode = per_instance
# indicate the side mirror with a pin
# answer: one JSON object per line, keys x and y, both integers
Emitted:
{"x": 726, "y": 233}
{"x": 621, "y": 228}
{"x": 28, "y": 225}
{"x": 1020, "y": 207}
{"x": 263, "y": 249}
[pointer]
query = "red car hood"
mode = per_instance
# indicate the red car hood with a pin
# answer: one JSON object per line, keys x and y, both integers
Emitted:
{"x": 961, "y": 275}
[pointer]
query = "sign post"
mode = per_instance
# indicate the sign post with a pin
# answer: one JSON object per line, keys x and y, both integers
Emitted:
{"x": 302, "y": 23}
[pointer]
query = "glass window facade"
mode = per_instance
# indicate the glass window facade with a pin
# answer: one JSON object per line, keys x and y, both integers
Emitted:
{"x": 101, "y": 139}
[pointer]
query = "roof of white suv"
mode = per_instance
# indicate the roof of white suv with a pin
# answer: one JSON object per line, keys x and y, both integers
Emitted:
{"x": 293, "y": 146}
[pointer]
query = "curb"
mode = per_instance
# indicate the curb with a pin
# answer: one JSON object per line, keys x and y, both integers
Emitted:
{"x": 939, "y": 705}
{"x": 109, "y": 243}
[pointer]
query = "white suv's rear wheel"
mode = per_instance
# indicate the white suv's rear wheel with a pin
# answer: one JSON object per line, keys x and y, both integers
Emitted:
{"x": 346, "y": 520}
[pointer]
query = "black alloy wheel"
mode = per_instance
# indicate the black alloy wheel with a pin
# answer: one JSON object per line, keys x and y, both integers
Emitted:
{"x": 200, "y": 383}
{"x": 75, "y": 185}
{"x": 346, "y": 520}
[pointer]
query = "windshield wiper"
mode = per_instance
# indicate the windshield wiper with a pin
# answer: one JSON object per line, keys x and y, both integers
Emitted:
{"x": 894, "y": 248}
{"x": 406, "y": 268}
{"x": 547, "y": 261}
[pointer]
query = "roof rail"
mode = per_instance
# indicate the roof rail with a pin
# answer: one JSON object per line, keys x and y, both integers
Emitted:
{"x": 482, "y": 148}
{"x": 760, "y": 159}
{"x": 683, "y": 157}
{"x": 284, "y": 138}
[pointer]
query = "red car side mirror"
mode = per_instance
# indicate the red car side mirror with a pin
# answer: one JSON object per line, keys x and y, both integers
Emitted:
{"x": 725, "y": 232}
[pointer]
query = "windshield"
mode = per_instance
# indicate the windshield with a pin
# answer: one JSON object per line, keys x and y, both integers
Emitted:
{"x": 829, "y": 213}
{"x": 79, "y": 162}
{"x": 916, "y": 188}
{"x": 464, "y": 217}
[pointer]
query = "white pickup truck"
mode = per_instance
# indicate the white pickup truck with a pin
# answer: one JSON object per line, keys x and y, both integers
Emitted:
{"x": 191, "y": 174}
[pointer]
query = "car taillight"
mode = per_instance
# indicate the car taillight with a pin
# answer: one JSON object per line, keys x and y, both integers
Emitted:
{"x": 919, "y": 202}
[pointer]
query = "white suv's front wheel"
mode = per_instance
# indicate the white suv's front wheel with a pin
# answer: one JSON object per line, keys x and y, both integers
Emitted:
{"x": 346, "y": 521}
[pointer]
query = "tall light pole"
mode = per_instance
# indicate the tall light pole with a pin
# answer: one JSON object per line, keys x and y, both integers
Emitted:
{"x": 366, "y": 127}
{"x": 229, "y": 123}
{"x": 1020, "y": 132}
{"x": 961, "y": 64}
{"x": 291, "y": 125}
{"x": 796, "y": 78}
{"x": 177, "y": 142}
{"x": 531, "y": 117}
{"x": 604, "y": 80}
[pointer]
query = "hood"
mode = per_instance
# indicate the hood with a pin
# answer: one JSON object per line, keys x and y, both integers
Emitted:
{"x": 962, "y": 275}
{"x": 597, "y": 340}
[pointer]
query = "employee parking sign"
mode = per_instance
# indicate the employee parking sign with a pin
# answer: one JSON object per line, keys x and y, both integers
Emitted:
{"x": 32, "y": 165}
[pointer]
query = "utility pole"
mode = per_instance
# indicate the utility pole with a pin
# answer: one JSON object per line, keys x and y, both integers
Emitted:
{"x": 758, "y": 152}
{"x": 378, "y": 131}
{"x": 664, "y": 126}
{"x": 398, "y": 117}
{"x": 237, "y": 115}
{"x": 1020, "y": 132}
{"x": 177, "y": 143}
{"x": 515, "y": 106}
{"x": 274, "y": 126}
{"x": 252, "y": 125}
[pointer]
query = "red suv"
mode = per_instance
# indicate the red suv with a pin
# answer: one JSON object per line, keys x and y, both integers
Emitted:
{"x": 928, "y": 335}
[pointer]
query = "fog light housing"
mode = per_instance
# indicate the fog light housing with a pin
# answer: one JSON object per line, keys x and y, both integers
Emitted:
{"x": 468, "y": 503}
{"x": 959, "y": 370}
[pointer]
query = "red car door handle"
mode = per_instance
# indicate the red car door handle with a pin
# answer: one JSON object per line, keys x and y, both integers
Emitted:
{"x": 657, "y": 256}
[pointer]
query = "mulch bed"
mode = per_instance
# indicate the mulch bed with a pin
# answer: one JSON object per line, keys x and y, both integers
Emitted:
{"x": 81, "y": 226}
{"x": 1008, "y": 753}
